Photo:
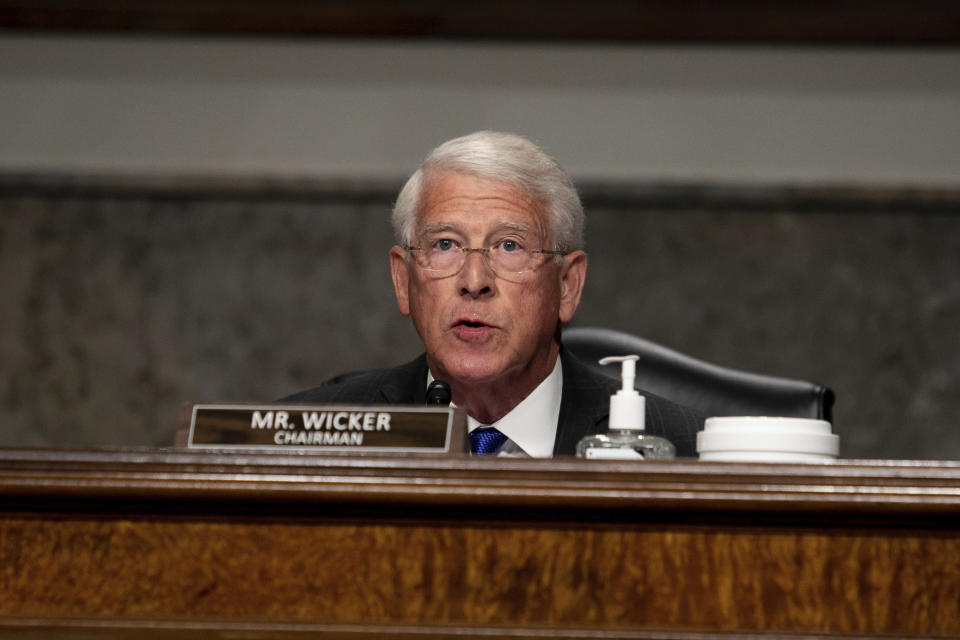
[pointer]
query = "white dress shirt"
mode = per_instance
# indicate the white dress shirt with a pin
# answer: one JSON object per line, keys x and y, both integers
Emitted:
{"x": 531, "y": 426}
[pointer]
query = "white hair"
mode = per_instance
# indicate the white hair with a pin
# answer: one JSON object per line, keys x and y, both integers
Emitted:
{"x": 505, "y": 157}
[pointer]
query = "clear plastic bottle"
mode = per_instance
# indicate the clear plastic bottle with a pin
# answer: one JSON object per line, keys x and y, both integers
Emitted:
{"x": 626, "y": 439}
{"x": 625, "y": 444}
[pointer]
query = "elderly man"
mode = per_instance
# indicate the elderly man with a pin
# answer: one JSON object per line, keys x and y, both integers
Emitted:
{"x": 489, "y": 267}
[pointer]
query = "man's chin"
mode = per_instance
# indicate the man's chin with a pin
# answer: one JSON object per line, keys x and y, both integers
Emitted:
{"x": 471, "y": 371}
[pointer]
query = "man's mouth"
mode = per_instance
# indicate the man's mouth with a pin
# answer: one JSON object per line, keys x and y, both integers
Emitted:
{"x": 471, "y": 328}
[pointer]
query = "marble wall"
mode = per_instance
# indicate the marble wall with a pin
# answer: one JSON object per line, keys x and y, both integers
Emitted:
{"x": 124, "y": 299}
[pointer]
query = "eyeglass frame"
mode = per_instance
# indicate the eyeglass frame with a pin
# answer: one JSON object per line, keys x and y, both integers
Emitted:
{"x": 485, "y": 253}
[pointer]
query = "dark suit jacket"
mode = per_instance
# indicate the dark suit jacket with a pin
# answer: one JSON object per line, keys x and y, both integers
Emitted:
{"x": 584, "y": 404}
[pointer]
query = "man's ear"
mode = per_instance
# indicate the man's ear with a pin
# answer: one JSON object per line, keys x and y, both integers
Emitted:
{"x": 573, "y": 274}
{"x": 400, "y": 272}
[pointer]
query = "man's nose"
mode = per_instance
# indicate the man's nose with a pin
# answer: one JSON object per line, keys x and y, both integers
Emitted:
{"x": 476, "y": 277}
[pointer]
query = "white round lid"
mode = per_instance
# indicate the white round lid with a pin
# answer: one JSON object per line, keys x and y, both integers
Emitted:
{"x": 754, "y": 434}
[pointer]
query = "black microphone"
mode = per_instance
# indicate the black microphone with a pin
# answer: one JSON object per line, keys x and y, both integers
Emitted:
{"x": 438, "y": 392}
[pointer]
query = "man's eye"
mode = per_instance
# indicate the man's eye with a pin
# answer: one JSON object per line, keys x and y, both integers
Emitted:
{"x": 444, "y": 244}
{"x": 510, "y": 246}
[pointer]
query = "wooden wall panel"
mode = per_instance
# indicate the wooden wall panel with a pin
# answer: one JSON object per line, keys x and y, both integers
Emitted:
{"x": 609, "y": 577}
{"x": 565, "y": 545}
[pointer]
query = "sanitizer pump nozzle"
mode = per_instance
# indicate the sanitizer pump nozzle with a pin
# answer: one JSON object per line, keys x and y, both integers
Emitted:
{"x": 626, "y": 439}
{"x": 627, "y": 406}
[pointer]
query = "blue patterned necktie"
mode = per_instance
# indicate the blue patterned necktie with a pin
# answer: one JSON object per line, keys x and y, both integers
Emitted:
{"x": 486, "y": 441}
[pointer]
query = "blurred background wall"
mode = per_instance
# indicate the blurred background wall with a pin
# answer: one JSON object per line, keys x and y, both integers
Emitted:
{"x": 200, "y": 218}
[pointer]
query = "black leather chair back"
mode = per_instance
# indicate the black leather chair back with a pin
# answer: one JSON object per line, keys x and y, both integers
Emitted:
{"x": 709, "y": 388}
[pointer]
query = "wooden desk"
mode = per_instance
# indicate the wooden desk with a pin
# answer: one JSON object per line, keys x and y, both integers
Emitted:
{"x": 194, "y": 545}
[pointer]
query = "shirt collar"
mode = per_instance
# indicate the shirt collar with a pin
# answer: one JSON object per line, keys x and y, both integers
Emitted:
{"x": 531, "y": 425}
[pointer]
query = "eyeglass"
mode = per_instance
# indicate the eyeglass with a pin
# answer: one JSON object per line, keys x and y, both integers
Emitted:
{"x": 506, "y": 258}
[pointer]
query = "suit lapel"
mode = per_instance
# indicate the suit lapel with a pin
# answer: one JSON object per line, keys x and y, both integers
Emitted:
{"x": 405, "y": 384}
{"x": 584, "y": 405}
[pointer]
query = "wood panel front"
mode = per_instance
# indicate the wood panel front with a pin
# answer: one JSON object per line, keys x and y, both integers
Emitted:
{"x": 113, "y": 549}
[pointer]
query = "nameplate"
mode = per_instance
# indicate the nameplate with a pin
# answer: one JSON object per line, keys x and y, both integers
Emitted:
{"x": 327, "y": 428}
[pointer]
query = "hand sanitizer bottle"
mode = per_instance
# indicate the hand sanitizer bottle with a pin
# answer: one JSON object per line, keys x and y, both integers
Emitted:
{"x": 626, "y": 439}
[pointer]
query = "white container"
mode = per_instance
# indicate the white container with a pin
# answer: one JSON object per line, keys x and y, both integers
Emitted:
{"x": 767, "y": 439}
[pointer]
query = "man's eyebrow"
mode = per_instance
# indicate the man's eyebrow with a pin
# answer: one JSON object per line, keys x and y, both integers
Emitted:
{"x": 513, "y": 226}
{"x": 439, "y": 226}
